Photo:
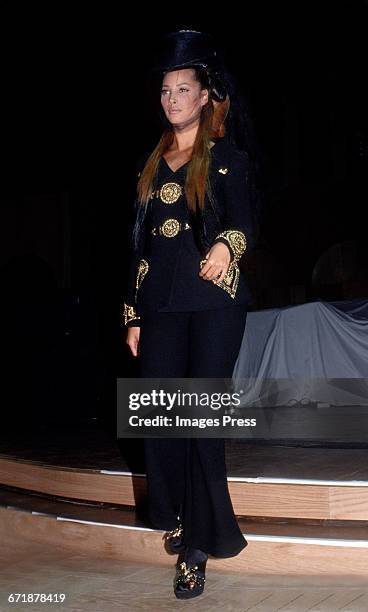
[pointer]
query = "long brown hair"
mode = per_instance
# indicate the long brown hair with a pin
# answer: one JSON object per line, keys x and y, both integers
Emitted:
{"x": 197, "y": 183}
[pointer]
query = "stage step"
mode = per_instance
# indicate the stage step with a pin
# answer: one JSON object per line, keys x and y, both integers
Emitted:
{"x": 288, "y": 498}
{"x": 290, "y": 548}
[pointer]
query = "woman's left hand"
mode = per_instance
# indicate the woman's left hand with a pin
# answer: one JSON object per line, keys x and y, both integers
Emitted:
{"x": 217, "y": 264}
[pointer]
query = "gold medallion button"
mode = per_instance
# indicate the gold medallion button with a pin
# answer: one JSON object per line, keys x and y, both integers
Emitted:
{"x": 170, "y": 228}
{"x": 170, "y": 193}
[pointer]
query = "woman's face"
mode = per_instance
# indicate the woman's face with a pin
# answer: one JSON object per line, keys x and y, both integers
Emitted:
{"x": 182, "y": 97}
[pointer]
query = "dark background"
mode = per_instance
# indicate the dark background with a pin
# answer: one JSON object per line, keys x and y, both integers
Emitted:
{"x": 76, "y": 115}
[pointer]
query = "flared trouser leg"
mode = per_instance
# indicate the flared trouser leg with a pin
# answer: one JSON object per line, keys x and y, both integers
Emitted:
{"x": 164, "y": 347}
{"x": 188, "y": 475}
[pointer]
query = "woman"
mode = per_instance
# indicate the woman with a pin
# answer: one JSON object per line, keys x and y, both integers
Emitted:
{"x": 186, "y": 303}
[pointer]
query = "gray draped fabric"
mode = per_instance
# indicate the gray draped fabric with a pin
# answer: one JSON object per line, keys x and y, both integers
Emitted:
{"x": 314, "y": 352}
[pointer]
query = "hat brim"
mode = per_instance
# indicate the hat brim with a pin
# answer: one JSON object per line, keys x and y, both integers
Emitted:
{"x": 190, "y": 64}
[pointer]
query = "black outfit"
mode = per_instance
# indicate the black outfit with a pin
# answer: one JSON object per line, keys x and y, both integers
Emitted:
{"x": 188, "y": 476}
{"x": 164, "y": 271}
{"x": 191, "y": 327}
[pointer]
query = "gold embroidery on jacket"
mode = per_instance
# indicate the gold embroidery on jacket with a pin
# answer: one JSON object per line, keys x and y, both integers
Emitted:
{"x": 231, "y": 279}
{"x": 127, "y": 313}
{"x": 223, "y": 170}
{"x": 238, "y": 244}
{"x": 141, "y": 273}
{"x": 236, "y": 240}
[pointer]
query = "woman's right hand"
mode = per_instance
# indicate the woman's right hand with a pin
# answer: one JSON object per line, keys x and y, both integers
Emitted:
{"x": 132, "y": 339}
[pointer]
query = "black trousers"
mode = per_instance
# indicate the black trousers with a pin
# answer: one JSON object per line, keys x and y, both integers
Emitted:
{"x": 187, "y": 477}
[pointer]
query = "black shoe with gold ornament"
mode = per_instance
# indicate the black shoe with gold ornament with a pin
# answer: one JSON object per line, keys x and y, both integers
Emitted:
{"x": 191, "y": 575}
{"x": 174, "y": 540}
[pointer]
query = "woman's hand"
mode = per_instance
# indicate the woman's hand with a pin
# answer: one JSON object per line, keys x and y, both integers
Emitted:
{"x": 132, "y": 339}
{"x": 218, "y": 260}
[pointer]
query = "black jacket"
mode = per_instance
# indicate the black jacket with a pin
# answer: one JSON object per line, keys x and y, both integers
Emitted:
{"x": 164, "y": 266}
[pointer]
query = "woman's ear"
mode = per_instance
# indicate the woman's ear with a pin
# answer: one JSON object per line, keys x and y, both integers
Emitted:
{"x": 205, "y": 96}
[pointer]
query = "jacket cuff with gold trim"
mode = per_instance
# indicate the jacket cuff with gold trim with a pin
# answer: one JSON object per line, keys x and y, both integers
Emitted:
{"x": 129, "y": 316}
{"x": 236, "y": 242}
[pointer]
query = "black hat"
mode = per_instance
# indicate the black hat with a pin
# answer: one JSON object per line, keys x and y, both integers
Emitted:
{"x": 187, "y": 48}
